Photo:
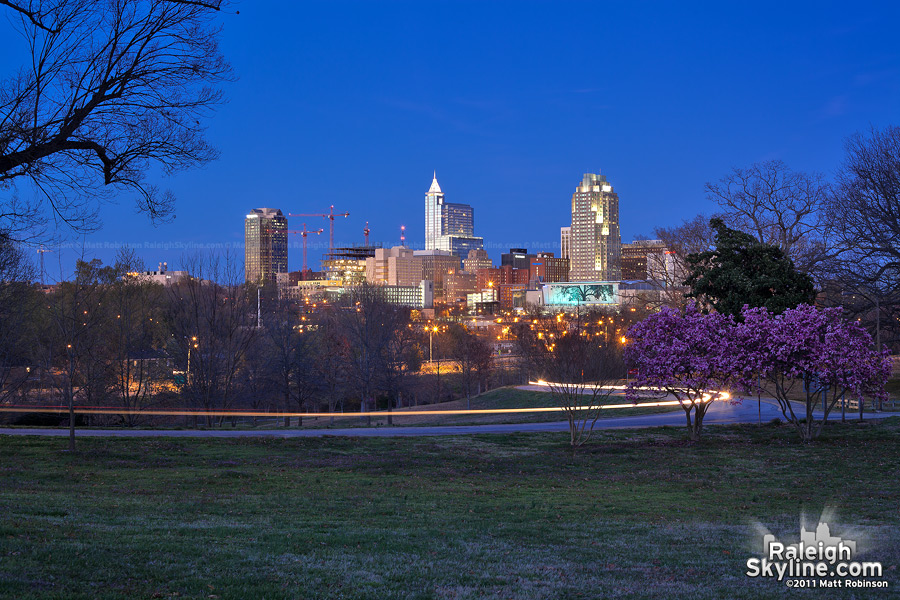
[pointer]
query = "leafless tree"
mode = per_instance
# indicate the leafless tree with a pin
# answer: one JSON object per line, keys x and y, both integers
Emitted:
{"x": 669, "y": 271}
{"x": 368, "y": 324}
{"x": 113, "y": 88}
{"x": 397, "y": 355}
{"x": 778, "y": 206}
{"x": 136, "y": 334}
{"x": 474, "y": 357}
{"x": 866, "y": 214}
{"x": 290, "y": 357}
{"x": 213, "y": 324}
{"x": 579, "y": 369}
{"x": 19, "y": 314}
{"x": 332, "y": 354}
{"x": 75, "y": 357}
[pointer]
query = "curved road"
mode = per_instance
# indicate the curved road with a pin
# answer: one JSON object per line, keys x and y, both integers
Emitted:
{"x": 719, "y": 413}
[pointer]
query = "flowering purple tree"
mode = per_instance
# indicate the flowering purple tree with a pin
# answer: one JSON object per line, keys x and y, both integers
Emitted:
{"x": 688, "y": 354}
{"x": 810, "y": 352}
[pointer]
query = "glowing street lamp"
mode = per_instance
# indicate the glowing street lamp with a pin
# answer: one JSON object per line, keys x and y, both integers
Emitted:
{"x": 431, "y": 332}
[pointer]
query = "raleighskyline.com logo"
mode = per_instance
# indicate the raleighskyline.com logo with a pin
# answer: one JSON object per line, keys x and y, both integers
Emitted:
{"x": 818, "y": 560}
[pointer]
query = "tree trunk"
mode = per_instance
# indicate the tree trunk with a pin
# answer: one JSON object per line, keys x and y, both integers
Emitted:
{"x": 71, "y": 421}
{"x": 698, "y": 426}
{"x": 71, "y": 394}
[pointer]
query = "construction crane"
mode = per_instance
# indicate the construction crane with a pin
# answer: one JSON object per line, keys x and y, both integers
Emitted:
{"x": 330, "y": 216}
{"x": 42, "y": 250}
{"x": 366, "y": 232}
{"x": 304, "y": 233}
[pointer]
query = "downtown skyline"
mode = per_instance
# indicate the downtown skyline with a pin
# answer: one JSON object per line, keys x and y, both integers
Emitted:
{"x": 509, "y": 116}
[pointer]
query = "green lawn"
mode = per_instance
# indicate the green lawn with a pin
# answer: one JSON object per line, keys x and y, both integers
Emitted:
{"x": 636, "y": 514}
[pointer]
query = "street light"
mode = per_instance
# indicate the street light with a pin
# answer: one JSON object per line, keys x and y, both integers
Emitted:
{"x": 431, "y": 332}
{"x": 192, "y": 344}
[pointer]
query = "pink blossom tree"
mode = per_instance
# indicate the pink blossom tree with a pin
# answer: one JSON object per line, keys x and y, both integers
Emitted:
{"x": 688, "y": 354}
{"x": 810, "y": 352}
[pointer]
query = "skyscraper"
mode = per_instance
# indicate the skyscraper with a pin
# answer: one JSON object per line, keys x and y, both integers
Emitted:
{"x": 449, "y": 226}
{"x": 595, "y": 246}
{"x": 265, "y": 245}
{"x": 565, "y": 241}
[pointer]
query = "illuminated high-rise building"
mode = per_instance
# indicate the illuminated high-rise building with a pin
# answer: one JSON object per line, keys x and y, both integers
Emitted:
{"x": 265, "y": 245}
{"x": 595, "y": 245}
{"x": 565, "y": 241}
{"x": 449, "y": 226}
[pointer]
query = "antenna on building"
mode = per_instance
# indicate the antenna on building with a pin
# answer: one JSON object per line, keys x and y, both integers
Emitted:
{"x": 366, "y": 231}
{"x": 403, "y": 235}
{"x": 41, "y": 251}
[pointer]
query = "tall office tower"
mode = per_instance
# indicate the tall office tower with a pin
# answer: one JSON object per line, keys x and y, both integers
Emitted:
{"x": 449, "y": 226}
{"x": 265, "y": 245}
{"x": 595, "y": 250}
{"x": 565, "y": 241}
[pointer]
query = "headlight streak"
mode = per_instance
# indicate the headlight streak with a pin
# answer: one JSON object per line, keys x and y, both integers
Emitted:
{"x": 111, "y": 410}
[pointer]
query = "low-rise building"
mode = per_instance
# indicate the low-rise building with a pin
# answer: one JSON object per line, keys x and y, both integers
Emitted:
{"x": 162, "y": 276}
{"x": 458, "y": 285}
{"x": 546, "y": 268}
{"x": 477, "y": 259}
{"x": 436, "y": 264}
{"x": 413, "y": 296}
{"x": 394, "y": 266}
{"x": 502, "y": 275}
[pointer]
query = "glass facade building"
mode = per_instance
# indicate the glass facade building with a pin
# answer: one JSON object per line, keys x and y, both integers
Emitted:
{"x": 449, "y": 226}
{"x": 265, "y": 245}
{"x": 595, "y": 246}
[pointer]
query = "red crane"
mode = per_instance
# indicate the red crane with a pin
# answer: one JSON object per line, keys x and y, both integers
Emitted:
{"x": 330, "y": 216}
{"x": 304, "y": 233}
{"x": 366, "y": 232}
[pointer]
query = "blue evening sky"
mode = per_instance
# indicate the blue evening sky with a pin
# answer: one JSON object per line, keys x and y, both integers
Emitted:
{"x": 356, "y": 103}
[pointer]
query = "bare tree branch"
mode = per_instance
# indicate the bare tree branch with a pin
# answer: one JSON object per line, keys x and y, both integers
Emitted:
{"x": 112, "y": 89}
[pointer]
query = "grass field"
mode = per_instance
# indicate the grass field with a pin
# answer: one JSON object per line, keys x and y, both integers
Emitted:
{"x": 636, "y": 514}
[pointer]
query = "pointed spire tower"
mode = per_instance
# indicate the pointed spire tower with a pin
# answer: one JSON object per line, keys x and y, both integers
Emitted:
{"x": 435, "y": 186}
{"x": 434, "y": 199}
{"x": 449, "y": 226}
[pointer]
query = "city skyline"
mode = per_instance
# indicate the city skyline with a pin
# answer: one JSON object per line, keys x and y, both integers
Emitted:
{"x": 682, "y": 99}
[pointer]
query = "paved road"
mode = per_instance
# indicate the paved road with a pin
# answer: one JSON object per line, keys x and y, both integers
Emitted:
{"x": 718, "y": 413}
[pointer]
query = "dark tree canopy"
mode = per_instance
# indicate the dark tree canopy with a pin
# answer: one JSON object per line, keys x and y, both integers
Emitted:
{"x": 112, "y": 89}
{"x": 741, "y": 270}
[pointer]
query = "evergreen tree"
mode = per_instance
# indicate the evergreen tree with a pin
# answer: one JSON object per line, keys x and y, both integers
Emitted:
{"x": 741, "y": 270}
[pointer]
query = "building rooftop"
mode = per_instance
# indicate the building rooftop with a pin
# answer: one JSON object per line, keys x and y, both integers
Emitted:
{"x": 266, "y": 213}
{"x": 435, "y": 186}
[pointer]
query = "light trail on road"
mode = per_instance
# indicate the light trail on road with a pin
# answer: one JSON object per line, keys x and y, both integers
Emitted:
{"x": 111, "y": 410}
